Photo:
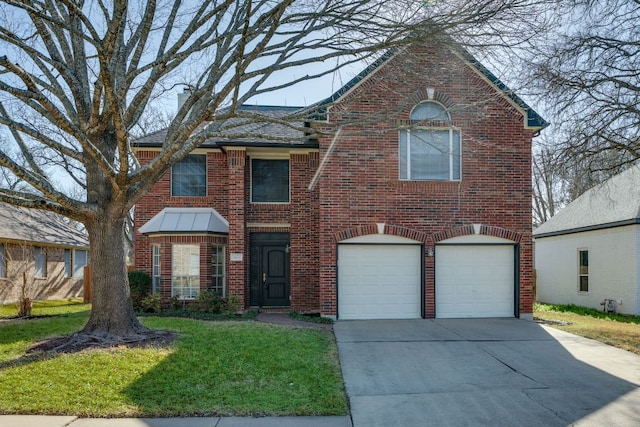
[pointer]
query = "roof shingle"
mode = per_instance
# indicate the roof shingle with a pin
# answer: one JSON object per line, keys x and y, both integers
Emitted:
{"x": 38, "y": 227}
{"x": 614, "y": 202}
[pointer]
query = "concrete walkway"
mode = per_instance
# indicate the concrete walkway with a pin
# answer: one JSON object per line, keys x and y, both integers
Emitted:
{"x": 487, "y": 372}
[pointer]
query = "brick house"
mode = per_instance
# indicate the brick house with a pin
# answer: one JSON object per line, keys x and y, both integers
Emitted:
{"x": 414, "y": 200}
{"x": 41, "y": 256}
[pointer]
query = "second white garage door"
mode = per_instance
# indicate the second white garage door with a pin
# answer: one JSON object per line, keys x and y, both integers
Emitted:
{"x": 475, "y": 281}
{"x": 379, "y": 281}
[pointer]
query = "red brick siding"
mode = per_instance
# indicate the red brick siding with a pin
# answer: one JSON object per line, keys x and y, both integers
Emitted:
{"x": 360, "y": 187}
{"x": 359, "y": 184}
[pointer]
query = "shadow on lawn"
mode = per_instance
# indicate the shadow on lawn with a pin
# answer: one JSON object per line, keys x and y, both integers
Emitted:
{"x": 244, "y": 369}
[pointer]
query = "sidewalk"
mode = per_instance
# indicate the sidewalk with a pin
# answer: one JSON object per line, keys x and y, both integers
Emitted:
{"x": 62, "y": 421}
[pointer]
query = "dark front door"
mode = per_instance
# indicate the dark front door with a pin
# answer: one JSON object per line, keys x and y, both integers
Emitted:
{"x": 270, "y": 269}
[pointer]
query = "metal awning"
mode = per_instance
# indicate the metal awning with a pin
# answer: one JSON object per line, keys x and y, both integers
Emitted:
{"x": 186, "y": 220}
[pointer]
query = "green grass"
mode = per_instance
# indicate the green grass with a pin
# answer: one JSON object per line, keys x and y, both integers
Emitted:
{"x": 618, "y": 330}
{"x": 48, "y": 307}
{"x": 213, "y": 368}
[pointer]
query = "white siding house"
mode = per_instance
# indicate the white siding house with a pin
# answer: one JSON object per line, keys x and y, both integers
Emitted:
{"x": 589, "y": 251}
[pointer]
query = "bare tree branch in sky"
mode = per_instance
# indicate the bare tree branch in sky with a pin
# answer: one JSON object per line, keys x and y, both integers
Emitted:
{"x": 590, "y": 73}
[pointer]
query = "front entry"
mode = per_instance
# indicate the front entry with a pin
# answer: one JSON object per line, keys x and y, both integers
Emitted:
{"x": 269, "y": 269}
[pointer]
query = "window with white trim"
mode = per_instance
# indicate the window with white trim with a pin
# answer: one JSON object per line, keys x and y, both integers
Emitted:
{"x": 67, "y": 263}
{"x": 217, "y": 270}
{"x": 40, "y": 259}
{"x": 430, "y": 150}
{"x": 185, "y": 271}
{"x": 583, "y": 270}
{"x": 155, "y": 270}
{"x": 80, "y": 260}
{"x": 189, "y": 176}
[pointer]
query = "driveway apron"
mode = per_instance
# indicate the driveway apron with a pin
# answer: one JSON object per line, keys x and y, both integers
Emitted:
{"x": 491, "y": 372}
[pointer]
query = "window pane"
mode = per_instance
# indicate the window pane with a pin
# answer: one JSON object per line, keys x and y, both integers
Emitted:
{"x": 189, "y": 176}
{"x": 155, "y": 273}
{"x": 217, "y": 268}
{"x": 185, "y": 278}
{"x": 79, "y": 261}
{"x": 430, "y": 155}
{"x": 40, "y": 258}
{"x": 584, "y": 261}
{"x": 67, "y": 263}
{"x": 584, "y": 283}
{"x": 269, "y": 181}
{"x": 403, "y": 154}
{"x": 429, "y": 111}
{"x": 457, "y": 156}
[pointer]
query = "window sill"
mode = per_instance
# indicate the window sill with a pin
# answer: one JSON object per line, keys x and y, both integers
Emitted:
{"x": 429, "y": 186}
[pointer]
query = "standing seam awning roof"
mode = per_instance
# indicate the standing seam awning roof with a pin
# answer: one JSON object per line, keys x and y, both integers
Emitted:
{"x": 186, "y": 220}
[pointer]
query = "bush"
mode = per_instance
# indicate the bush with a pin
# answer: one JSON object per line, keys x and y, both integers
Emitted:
{"x": 140, "y": 287}
{"x": 150, "y": 304}
{"x": 212, "y": 303}
{"x": 176, "y": 304}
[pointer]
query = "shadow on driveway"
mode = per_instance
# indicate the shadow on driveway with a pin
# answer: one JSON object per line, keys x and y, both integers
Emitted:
{"x": 492, "y": 372}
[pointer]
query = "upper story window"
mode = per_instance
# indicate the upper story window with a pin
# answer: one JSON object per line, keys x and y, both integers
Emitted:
{"x": 269, "y": 181}
{"x": 431, "y": 151}
{"x": 189, "y": 176}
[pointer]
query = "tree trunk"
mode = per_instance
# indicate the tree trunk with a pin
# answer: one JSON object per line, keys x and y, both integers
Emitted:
{"x": 112, "y": 315}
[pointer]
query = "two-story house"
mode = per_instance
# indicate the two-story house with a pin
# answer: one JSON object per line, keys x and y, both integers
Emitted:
{"x": 409, "y": 196}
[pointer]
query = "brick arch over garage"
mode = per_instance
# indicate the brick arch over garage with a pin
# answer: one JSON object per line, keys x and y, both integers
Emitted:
{"x": 479, "y": 229}
{"x": 393, "y": 230}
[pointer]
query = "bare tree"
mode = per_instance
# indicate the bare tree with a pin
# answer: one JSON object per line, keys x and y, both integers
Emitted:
{"x": 78, "y": 76}
{"x": 589, "y": 70}
{"x": 21, "y": 258}
{"x": 559, "y": 179}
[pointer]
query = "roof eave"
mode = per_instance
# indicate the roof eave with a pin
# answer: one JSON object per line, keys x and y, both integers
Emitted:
{"x": 586, "y": 228}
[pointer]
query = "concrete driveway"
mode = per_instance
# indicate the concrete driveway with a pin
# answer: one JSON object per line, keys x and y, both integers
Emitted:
{"x": 492, "y": 372}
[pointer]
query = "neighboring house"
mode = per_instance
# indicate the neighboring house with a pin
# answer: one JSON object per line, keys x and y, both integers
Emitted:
{"x": 414, "y": 201}
{"x": 588, "y": 254}
{"x": 41, "y": 256}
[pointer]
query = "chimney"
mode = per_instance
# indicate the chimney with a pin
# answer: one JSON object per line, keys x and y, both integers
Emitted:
{"x": 182, "y": 97}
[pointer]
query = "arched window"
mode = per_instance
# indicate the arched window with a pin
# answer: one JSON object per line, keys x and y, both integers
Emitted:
{"x": 430, "y": 149}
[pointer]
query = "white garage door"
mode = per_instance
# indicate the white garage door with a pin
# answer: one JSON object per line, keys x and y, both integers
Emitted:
{"x": 379, "y": 281}
{"x": 474, "y": 281}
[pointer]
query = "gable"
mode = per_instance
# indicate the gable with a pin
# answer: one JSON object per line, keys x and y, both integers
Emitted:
{"x": 412, "y": 54}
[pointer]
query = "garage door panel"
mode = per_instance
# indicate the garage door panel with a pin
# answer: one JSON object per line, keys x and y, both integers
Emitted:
{"x": 379, "y": 281}
{"x": 474, "y": 281}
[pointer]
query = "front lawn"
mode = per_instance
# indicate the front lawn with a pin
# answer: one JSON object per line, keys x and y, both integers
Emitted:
{"x": 213, "y": 368}
{"x": 618, "y": 330}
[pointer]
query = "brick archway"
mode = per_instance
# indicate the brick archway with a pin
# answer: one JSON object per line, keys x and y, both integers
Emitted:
{"x": 479, "y": 229}
{"x": 393, "y": 230}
